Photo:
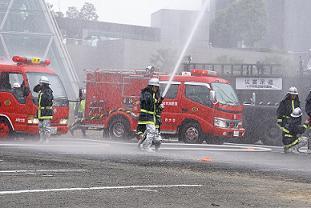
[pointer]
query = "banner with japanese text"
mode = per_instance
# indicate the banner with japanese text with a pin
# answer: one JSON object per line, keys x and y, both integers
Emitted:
{"x": 261, "y": 83}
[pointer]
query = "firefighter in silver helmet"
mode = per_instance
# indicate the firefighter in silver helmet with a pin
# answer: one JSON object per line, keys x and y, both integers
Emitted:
{"x": 149, "y": 117}
{"x": 292, "y": 138}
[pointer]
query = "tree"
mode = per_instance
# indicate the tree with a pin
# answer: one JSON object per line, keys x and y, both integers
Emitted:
{"x": 242, "y": 21}
{"x": 88, "y": 12}
{"x": 56, "y": 14}
{"x": 73, "y": 13}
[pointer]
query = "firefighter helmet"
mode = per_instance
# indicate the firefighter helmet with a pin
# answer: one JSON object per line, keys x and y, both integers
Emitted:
{"x": 292, "y": 91}
{"x": 154, "y": 82}
{"x": 297, "y": 112}
{"x": 149, "y": 67}
{"x": 44, "y": 80}
{"x": 16, "y": 85}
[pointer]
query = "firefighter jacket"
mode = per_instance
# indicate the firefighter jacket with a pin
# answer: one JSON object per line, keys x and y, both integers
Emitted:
{"x": 294, "y": 129}
{"x": 45, "y": 102}
{"x": 81, "y": 108}
{"x": 308, "y": 104}
{"x": 286, "y": 107}
{"x": 148, "y": 107}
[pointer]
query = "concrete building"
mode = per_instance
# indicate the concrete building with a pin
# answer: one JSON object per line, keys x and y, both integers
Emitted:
{"x": 112, "y": 46}
{"x": 175, "y": 26}
{"x": 288, "y": 23}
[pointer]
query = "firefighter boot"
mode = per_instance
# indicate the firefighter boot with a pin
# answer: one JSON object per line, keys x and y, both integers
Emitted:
{"x": 141, "y": 138}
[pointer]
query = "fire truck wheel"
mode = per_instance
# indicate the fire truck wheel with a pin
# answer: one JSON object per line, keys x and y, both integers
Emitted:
{"x": 191, "y": 133}
{"x": 5, "y": 128}
{"x": 119, "y": 128}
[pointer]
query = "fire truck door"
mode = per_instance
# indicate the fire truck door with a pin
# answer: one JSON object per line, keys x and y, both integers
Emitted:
{"x": 12, "y": 99}
{"x": 197, "y": 102}
{"x": 172, "y": 108}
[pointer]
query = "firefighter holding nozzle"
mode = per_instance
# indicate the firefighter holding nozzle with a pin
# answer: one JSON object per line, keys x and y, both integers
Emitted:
{"x": 149, "y": 122}
{"x": 292, "y": 137}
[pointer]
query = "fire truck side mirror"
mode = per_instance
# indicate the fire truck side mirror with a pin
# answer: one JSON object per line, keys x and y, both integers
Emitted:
{"x": 213, "y": 96}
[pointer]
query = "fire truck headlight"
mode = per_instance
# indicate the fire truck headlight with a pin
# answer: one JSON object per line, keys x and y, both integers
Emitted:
{"x": 63, "y": 121}
{"x": 219, "y": 122}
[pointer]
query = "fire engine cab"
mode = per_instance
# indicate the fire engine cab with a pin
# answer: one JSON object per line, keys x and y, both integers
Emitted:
{"x": 18, "y": 101}
{"x": 199, "y": 105}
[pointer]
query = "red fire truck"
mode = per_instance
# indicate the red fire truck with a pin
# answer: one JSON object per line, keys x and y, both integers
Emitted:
{"x": 199, "y": 105}
{"x": 18, "y": 101}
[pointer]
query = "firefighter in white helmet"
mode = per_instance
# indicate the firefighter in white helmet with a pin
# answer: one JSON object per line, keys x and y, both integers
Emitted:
{"x": 287, "y": 106}
{"x": 45, "y": 111}
{"x": 292, "y": 138}
{"x": 149, "y": 117}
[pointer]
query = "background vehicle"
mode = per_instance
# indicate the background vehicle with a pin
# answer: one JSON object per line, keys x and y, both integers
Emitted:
{"x": 260, "y": 87}
{"x": 198, "y": 106}
{"x": 18, "y": 105}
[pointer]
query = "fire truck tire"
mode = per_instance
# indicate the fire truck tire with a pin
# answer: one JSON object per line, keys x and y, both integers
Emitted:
{"x": 119, "y": 128}
{"x": 191, "y": 133}
{"x": 5, "y": 129}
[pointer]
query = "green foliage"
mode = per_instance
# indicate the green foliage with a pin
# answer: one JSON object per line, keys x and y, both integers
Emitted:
{"x": 72, "y": 13}
{"x": 243, "y": 20}
{"x": 87, "y": 12}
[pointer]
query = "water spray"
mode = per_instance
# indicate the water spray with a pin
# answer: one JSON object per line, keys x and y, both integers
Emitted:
{"x": 183, "y": 52}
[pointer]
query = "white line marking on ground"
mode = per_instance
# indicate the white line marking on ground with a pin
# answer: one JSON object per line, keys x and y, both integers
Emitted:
{"x": 96, "y": 188}
{"x": 219, "y": 149}
{"x": 34, "y": 171}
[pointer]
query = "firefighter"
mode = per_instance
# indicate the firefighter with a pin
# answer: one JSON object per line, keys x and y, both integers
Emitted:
{"x": 79, "y": 115}
{"x": 45, "y": 111}
{"x": 292, "y": 139}
{"x": 287, "y": 106}
{"x": 18, "y": 92}
{"x": 308, "y": 106}
{"x": 150, "y": 101}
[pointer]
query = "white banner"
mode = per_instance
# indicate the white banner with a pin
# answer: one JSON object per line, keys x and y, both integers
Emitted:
{"x": 261, "y": 83}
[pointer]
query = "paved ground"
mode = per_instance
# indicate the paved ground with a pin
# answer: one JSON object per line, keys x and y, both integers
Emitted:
{"x": 72, "y": 172}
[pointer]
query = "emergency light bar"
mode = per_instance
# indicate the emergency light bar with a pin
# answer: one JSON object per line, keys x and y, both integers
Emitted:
{"x": 203, "y": 72}
{"x": 35, "y": 61}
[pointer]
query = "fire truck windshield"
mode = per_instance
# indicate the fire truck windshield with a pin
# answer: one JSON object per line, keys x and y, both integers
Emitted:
{"x": 55, "y": 84}
{"x": 225, "y": 94}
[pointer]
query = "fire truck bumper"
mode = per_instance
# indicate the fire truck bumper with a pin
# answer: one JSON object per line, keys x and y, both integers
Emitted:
{"x": 229, "y": 133}
{"x": 56, "y": 130}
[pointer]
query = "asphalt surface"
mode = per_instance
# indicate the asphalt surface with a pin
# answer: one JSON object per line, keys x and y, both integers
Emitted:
{"x": 76, "y": 172}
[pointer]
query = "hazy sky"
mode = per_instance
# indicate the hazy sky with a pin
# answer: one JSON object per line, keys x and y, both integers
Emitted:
{"x": 135, "y": 12}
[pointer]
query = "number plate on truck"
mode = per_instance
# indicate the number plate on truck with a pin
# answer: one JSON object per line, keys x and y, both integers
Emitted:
{"x": 236, "y": 133}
